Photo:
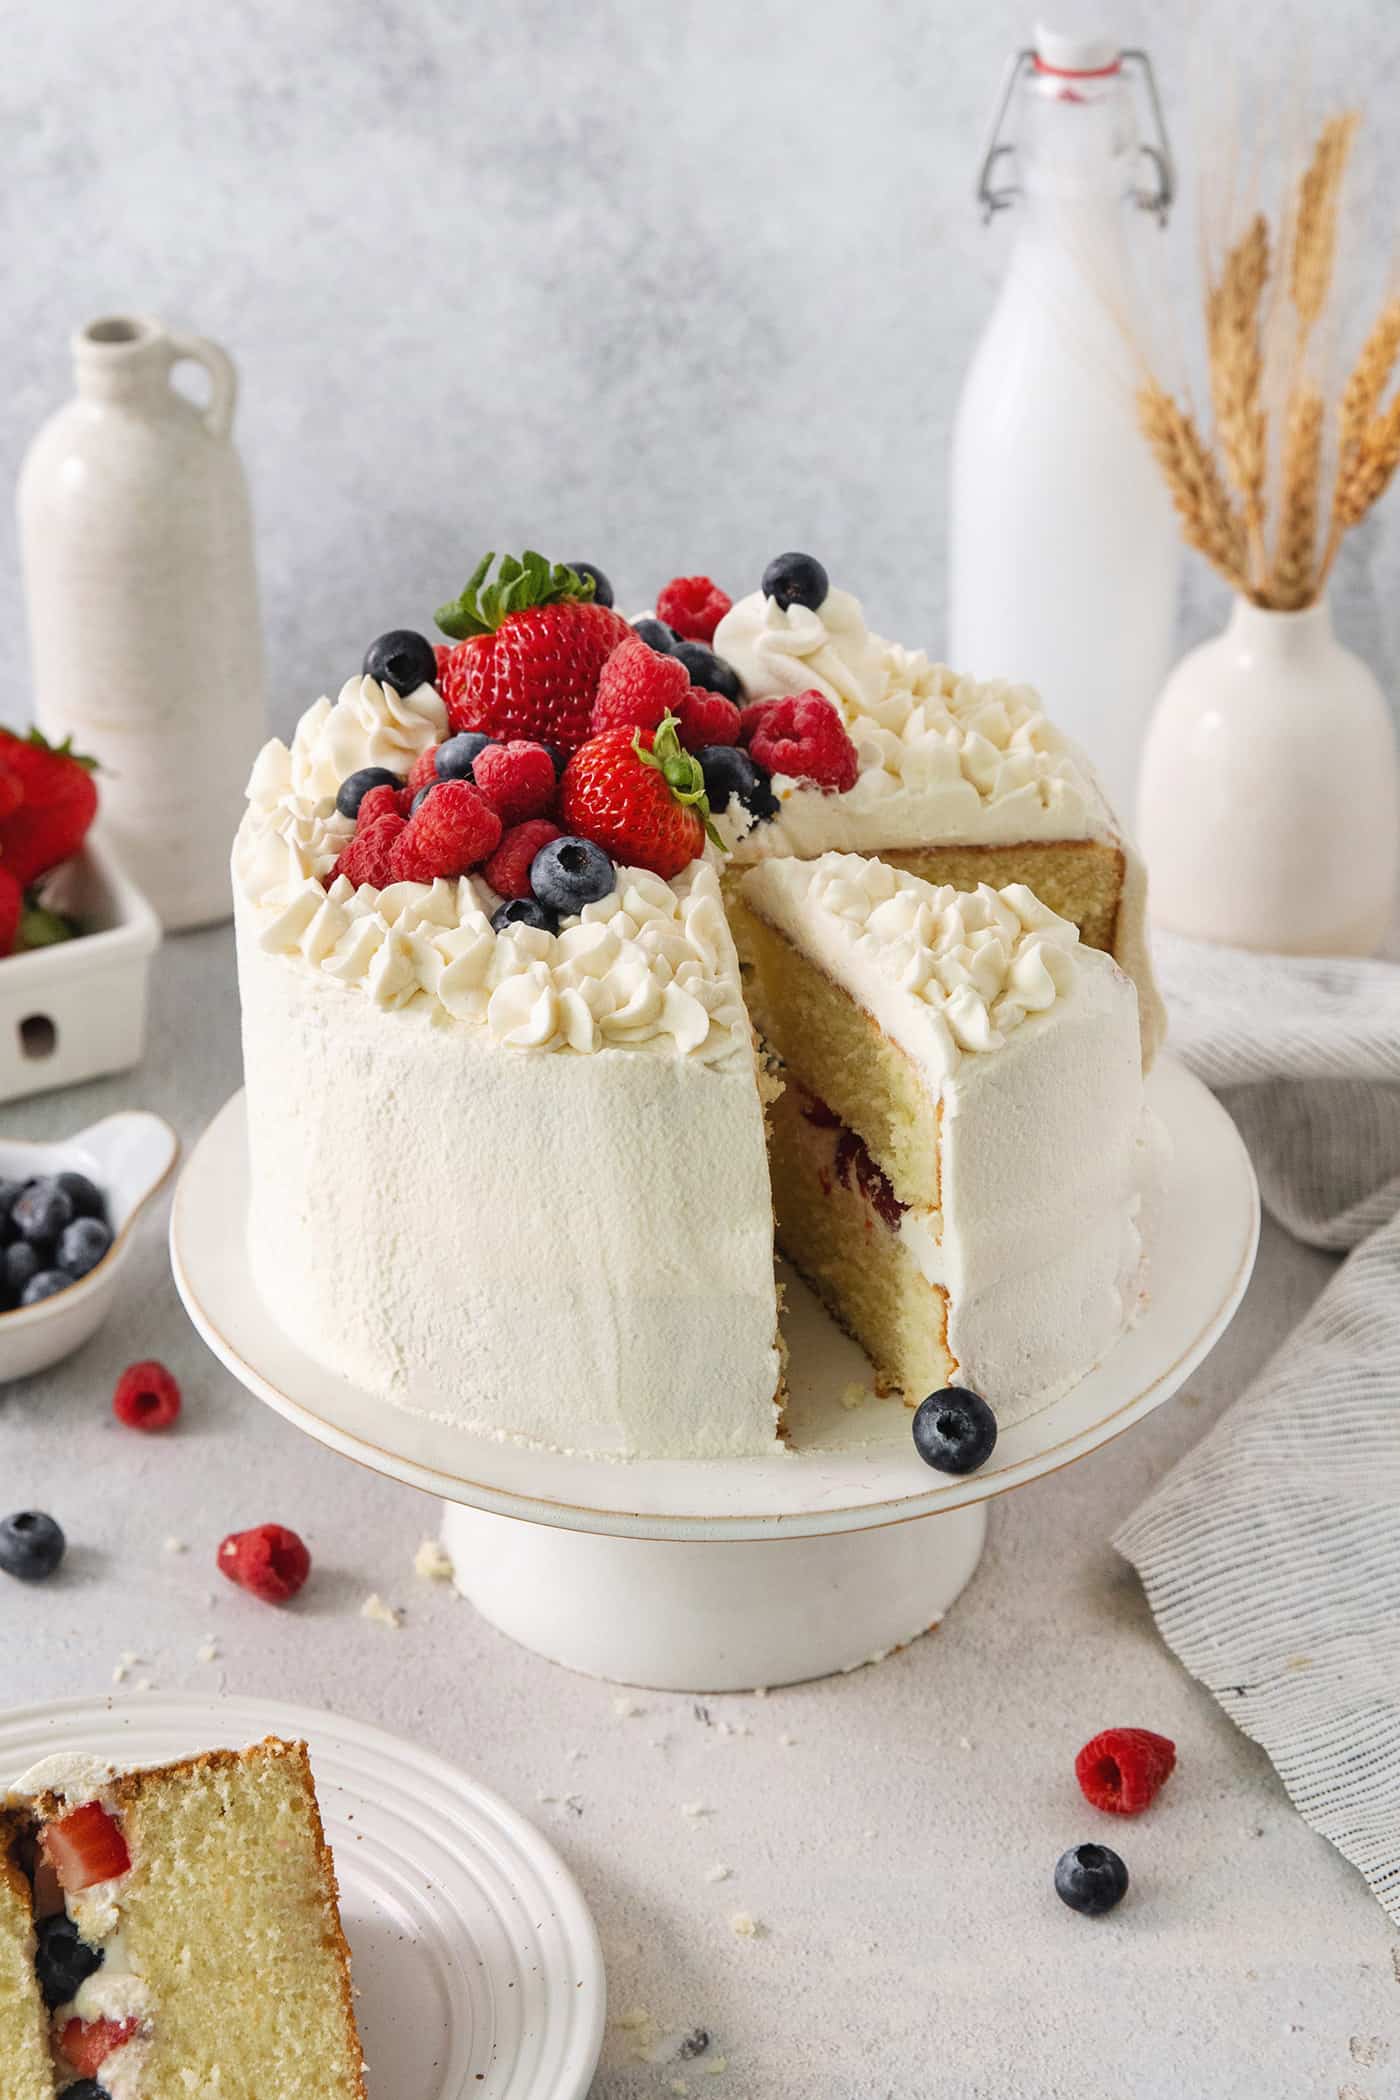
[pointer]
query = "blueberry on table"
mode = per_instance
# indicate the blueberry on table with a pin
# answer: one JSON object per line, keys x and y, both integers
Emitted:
{"x": 954, "y": 1431}
{"x": 730, "y": 772}
{"x": 47, "y": 1284}
{"x": 82, "y": 1245}
{"x": 64, "y": 1960}
{"x": 524, "y": 911}
{"x": 401, "y": 659}
{"x": 656, "y": 634}
{"x": 602, "y": 589}
{"x": 705, "y": 669}
{"x": 796, "y": 579}
{"x": 1090, "y": 1879}
{"x": 43, "y": 1210}
{"x": 31, "y": 1545}
{"x": 569, "y": 873}
{"x": 86, "y": 1197}
{"x": 456, "y": 755}
{"x": 356, "y": 786}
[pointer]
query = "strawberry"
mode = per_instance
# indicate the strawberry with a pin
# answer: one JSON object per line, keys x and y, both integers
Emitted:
{"x": 87, "y": 2044}
{"x": 56, "y": 804}
{"x": 529, "y": 650}
{"x": 636, "y": 793}
{"x": 85, "y": 1847}
{"x": 11, "y": 910}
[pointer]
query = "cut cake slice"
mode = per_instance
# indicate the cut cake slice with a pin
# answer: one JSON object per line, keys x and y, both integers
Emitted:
{"x": 958, "y": 1151}
{"x": 208, "y": 1890}
{"x": 26, "y": 2069}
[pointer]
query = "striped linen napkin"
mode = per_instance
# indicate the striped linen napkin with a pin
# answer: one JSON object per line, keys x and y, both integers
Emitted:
{"x": 1271, "y": 1554}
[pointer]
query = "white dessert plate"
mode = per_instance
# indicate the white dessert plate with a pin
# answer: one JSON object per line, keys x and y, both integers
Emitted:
{"x": 851, "y": 1470}
{"x": 477, "y": 1966}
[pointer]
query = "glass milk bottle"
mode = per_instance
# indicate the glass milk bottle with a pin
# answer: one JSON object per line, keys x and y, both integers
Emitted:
{"x": 1063, "y": 552}
{"x": 143, "y": 608}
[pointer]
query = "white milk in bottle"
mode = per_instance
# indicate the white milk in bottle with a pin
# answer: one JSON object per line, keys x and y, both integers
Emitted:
{"x": 1063, "y": 551}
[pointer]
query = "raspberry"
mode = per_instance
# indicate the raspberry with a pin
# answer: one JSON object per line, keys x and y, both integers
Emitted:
{"x": 379, "y": 803}
{"x": 87, "y": 2044}
{"x": 707, "y": 718}
{"x": 637, "y": 688}
{"x": 508, "y": 870}
{"x": 1121, "y": 1769}
{"x": 454, "y": 829}
{"x": 369, "y": 855}
{"x": 423, "y": 769}
{"x": 518, "y": 779}
{"x": 693, "y": 607}
{"x": 269, "y": 1560}
{"x": 804, "y": 737}
{"x": 147, "y": 1397}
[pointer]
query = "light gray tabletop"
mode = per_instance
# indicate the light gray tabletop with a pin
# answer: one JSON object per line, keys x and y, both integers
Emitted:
{"x": 893, "y": 1832}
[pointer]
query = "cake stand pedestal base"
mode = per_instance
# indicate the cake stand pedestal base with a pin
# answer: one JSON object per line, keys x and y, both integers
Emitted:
{"x": 714, "y": 1615}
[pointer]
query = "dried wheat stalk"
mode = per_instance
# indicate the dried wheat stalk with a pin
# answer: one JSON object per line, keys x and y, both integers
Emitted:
{"x": 1370, "y": 376}
{"x": 1290, "y": 584}
{"x": 1209, "y": 519}
{"x": 1315, "y": 221}
{"x": 1236, "y": 374}
{"x": 1363, "y": 477}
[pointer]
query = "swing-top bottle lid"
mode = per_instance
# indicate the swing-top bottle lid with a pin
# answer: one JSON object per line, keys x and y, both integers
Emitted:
{"x": 1076, "y": 50}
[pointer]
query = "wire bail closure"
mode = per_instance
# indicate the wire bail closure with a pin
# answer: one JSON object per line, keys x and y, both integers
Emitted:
{"x": 1157, "y": 196}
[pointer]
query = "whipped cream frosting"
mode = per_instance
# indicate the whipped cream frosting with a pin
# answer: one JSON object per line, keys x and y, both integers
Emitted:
{"x": 947, "y": 973}
{"x": 651, "y": 967}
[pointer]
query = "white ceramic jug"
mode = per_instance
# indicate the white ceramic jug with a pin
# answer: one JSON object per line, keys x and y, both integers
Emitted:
{"x": 1269, "y": 805}
{"x": 143, "y": 609}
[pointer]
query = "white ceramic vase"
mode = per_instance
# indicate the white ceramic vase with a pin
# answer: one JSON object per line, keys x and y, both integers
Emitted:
{"x": 143, "y": 608}
{"x": 1269, "y": 797}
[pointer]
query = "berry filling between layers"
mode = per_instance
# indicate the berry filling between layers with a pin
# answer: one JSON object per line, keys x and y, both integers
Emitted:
{"x": 99, "y": 2004}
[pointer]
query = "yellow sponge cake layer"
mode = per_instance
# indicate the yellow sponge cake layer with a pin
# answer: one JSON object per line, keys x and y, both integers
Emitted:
{"x": 26, "y": 2072}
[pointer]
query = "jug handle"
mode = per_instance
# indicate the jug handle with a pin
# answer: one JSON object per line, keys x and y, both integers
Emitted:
{"x": 217, "y": 415}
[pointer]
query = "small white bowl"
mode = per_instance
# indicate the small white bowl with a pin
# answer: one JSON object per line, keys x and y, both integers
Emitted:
{"x": 129, "y": 1156}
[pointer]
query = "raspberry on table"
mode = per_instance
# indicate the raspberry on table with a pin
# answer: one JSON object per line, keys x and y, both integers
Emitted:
{"x": 518, "y": 779}
{"x": 508, "y": 869}
{"x": 454, "y": 830}
{"x": 269, "y": 1560}
{"x": 706, "y": 718}
{"x": 1123, "y": 1769}
{"x": 637, "y": 688}
{"x": 147, "y": 1397}
{"x": 692, "y": 607}
{"x": 804, "y": 737}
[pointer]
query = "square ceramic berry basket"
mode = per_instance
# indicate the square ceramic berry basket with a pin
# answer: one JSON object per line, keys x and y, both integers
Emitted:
{"x": 77, "y": 1010}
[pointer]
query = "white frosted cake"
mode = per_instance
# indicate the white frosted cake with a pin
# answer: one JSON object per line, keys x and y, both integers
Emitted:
{"x": 509, "y": 1119}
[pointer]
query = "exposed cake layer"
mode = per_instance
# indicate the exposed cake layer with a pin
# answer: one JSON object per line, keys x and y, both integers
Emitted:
{"x": 977, "y": 1133}
{"x": 26, "y": 2067}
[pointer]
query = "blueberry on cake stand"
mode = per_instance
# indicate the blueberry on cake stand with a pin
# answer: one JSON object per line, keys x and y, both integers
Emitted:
{"x": 720, "y": 1575}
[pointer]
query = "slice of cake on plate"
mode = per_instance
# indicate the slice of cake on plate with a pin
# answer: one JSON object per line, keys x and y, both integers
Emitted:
{"x": 26, "y": 2067}
{"x": 958, "y": 1151}
{"x": 186, "y": 1935}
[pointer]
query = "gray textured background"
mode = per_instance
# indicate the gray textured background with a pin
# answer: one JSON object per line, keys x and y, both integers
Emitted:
{"x": 662, "y": 286}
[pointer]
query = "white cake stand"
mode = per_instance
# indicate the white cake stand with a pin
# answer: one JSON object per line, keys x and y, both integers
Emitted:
{"x": 719, "y": 1575}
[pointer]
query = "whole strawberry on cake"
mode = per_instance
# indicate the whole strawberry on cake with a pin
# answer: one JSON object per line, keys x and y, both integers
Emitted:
{"x": 509, "y": 1116}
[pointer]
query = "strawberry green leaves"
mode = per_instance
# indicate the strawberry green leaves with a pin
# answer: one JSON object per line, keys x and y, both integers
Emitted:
{"x": 532, "y": 580}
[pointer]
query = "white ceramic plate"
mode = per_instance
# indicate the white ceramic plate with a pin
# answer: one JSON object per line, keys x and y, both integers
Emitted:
{"x": 849, "y": 1471}
{"x": 477, "y": 1967}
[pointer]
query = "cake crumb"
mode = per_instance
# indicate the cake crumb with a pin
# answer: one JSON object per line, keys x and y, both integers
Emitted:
{"x": 679, "y": 2085}
{"x": 854, "y": 1395}
{"x": 788, "y": 1741}
{"x": 627, "y": 1709}
{"x": 760, "y": 1691}
{"x": 432, "y": 1562}
{"x": 718, "y": 1872}
{"x": 383, "y": 1614}
{"x": 696, "y": 1808}
{"x": 1369, "y": 2049}
{"x": 173, "y": 1545}
{"x": 130, "y": 1658}
{"x": 145, "y": 1684}
{"x": 120, "y": 1674}
{"x": 716, "y": 2068}
{"x": 635, "y": 2018}
{"x": 745, "y": 1926}
{"x": 207, "y": 1652}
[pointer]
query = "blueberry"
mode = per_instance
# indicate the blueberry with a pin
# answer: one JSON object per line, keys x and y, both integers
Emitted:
{"x": 456, "y": 754}
{"x": 20, "y": 1263}
{"x": 556, "y": 757}
{"x": 402, "y": 659}
{"x": 82, "y": 1245}
{"x": 602, "y": 589}
{"x": 730, "y": 772}
{"x": 42, "y": 1211}
{"x": 523, "y": 911}
{"x": 1091, "y": 1879}
{"x": 31, "y": 1545}
{"x": 47, "y": 1284}
{"x": 11, "y": 1190}
{"x": 954, "y": 1431}
{"x": 86, "y": 2089}
{"x": 64, "y": 1960}
{"x": 656, "y": 634}
{"x": 87, "y": 1198}
{"x": 796, "y": 579}
{"x": 356, "y": 786}
{"x": 421, "y": 797}
{"x": 704, "y": 668}
{"x": 569, "y": 873}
